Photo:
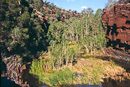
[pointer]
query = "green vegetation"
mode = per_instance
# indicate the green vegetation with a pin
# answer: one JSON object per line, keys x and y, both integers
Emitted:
{"x": 20, "y": 30}
{"x": 27, "y": 34}
{"x": 56, "y": 78}
{"x": 89, "y": 70}
{"x": 69, "y": 37}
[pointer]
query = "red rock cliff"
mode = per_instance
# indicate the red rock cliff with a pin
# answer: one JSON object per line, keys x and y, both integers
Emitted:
{"x": 117, "y": 21}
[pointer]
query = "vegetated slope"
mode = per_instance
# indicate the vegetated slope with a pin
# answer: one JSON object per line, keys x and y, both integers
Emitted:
{"x": 47, "y": 11}
{"x": 23, "y": 29}
{"x": 24, "y": 25}
{"x": 67, "y": 38}
{"x": 28, "y": 28}
{"x": 20, "y": 33}
{"x": 86, "y": 32}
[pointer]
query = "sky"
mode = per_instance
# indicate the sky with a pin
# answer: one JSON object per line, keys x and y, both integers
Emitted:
{"x": 78, "y": 5}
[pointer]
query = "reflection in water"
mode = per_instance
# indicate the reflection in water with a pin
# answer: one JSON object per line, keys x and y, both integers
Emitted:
{"x": 82, "y": 86}
{"x": 8, "y": 83}
{"x": 79, "y": 75}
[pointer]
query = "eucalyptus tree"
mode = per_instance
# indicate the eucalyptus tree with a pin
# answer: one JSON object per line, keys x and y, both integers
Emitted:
{"x": 110, "y": 4}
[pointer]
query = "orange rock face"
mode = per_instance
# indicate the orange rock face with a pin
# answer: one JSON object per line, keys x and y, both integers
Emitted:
{"x": 117, "y": 21}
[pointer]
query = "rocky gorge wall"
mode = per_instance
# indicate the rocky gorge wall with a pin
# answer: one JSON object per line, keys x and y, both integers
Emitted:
{"x": 13, "y": 68}
{"x": 117, "y": 21}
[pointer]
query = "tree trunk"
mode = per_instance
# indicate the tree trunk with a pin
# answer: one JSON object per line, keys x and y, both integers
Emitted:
{"x": 86, "y": 31}
{"x": 91, "y": 47}
{"x": 67, "y": 60}
{"x": 72, "y": 61}
{"x": 53, "y": 65}
{"x": 60, "y": 62}
{"x": 86, "y": 48}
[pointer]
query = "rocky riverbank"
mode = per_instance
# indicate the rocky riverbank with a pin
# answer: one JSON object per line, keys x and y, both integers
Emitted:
{"x": 12, "y": 68}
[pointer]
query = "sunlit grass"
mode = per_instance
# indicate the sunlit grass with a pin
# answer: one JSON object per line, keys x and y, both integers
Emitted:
{"x": 90, "y": 70}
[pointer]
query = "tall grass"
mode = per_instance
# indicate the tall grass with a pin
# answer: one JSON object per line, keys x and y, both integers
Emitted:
{"x": 51, "y": 78}
{"x": 59, "y": 77}
{"x": 40, "y": 67}
{"x": 92, "y": 72}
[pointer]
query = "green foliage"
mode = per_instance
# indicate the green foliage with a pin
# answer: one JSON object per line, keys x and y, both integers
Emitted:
{"x": 36, "y": 3}
{"x": 64, "y": 36}
{"x": 52, "y": 78}
{"x": 92, "y": 72}
{"x": 60, "y": 77}
{"x": 20, "y": 31}
{"x": 61, "y": 54}
{"x": 37, "y": 67}
{"x": 56, "y": 31}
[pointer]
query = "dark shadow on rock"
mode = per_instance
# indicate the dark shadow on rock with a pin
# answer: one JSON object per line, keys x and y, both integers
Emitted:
{"x": 116, "y": 83}
{"x": 2, "y": 66}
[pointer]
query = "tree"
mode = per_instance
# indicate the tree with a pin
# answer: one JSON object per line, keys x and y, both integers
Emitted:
{"x": 124, "y": 1}
{"x": 56, "y": 30}
{"x": 110, "y": 4}
{"x": 21, "y": 32}
{"x": 89, "y": 10}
